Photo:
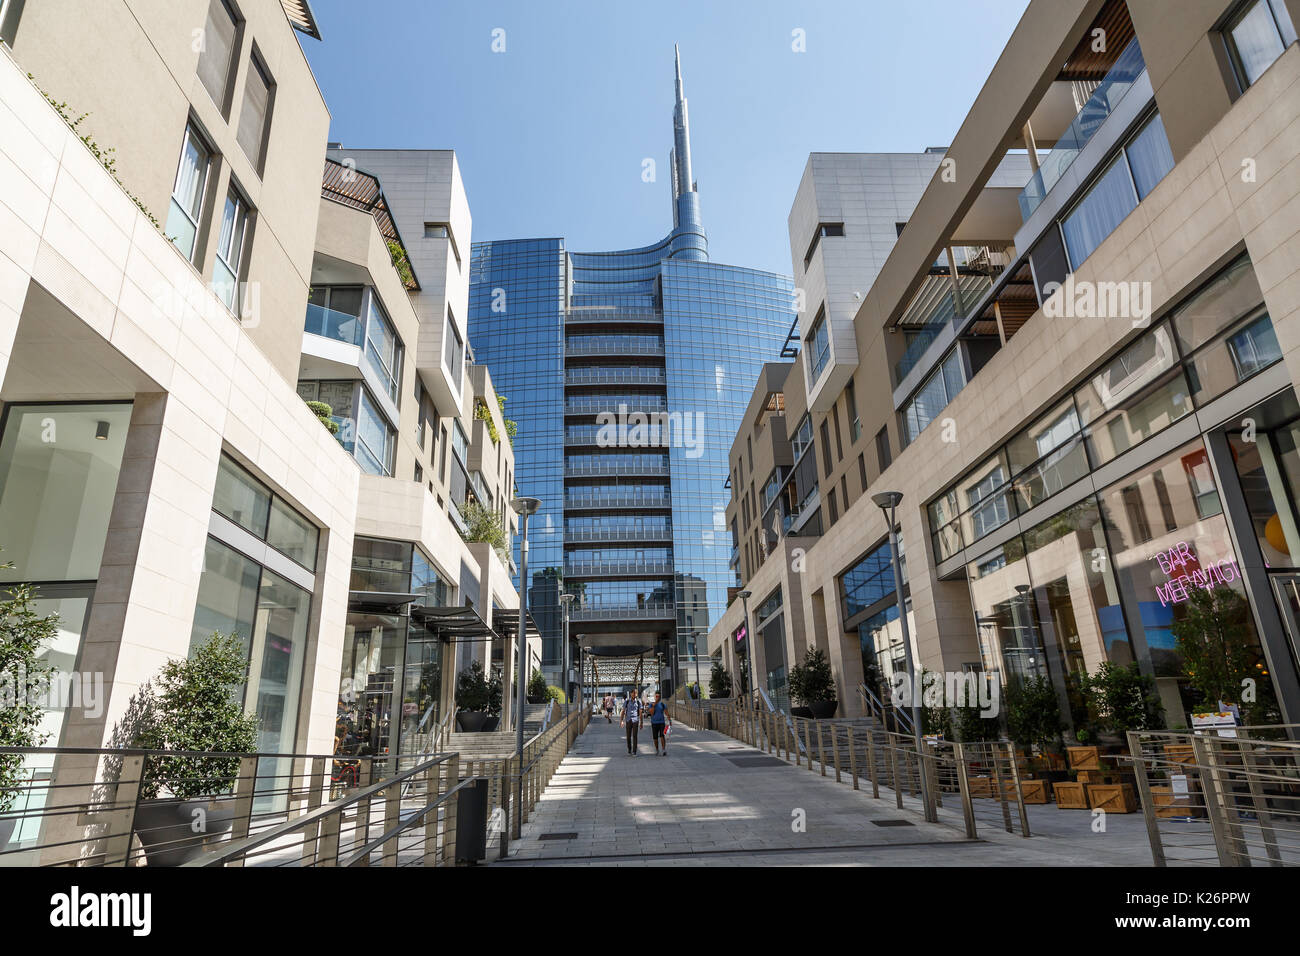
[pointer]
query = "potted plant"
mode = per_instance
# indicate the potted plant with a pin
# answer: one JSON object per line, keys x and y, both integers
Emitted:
{"x": 1213, "y": 638}
{"x": 719, "y": 681}
{"x": 1121, "y": 698}
{"x": 195, "y": 708}
{"x": 813, "y": 685}
{"x": 24, "y": 675}
{"x": 535, "y": 692}
{"x": 494, "y": 702}
{"x": 473, "y": 698}
{"x": 1034, "y": 718}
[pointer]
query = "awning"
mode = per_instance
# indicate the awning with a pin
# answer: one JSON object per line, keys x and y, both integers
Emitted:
{"x": 389, "y": 601}
{"x": 301, "y": 17}
{"x": 460, "y": 624}
{"x": 506, "y": 621}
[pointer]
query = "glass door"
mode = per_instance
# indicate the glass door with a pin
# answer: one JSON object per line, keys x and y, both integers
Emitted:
{"x": 1286, "y": 588}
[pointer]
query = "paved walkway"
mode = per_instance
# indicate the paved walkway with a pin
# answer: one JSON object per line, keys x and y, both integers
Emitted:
{"x": 715, "y": 802}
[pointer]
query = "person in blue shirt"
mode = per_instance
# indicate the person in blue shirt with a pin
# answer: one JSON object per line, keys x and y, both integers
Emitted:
{"x": 659, "y": 724}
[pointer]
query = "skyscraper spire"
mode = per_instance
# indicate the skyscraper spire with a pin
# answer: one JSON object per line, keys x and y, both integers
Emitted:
{"x": 681, "y": 154}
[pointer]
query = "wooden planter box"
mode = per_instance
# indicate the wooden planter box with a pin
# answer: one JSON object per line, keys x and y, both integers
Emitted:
{"x": 1084, "y": 758}
{"x": 1033, "y": 791}
{"x": 1112, "y": 797}
{"x": 1167, "y": 805}
{"x": 1070, "y": 795}
{"x": 1097, "y": 777}
{"x": 1180, "y": 753}
{"x": 981, "y": 787}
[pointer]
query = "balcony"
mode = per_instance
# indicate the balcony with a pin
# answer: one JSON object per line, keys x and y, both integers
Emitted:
{"x": 1100, "y": 105}
{"x": 613, "y": 346}
{"x": 616, "y": 376}
{"x": 617, "y": 568}
{"x": 936, "y": 304}
{"x": 604, "y": 502}
{"x": 628, "y": 465}
{"x": 595, "y": 404}
{"x": 661, "y": 532}
{"x": 662, "y": 611}
{"x": 339, "y": 326}
{"x": 605, "y": 315}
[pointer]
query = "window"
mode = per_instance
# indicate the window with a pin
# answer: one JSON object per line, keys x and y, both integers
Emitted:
{"x": 839, "y": 436}
{"x": 375, "y": 439}
{"x": 883, "y": 455}
{"x": 188, "y": 193}
{"x": 335, "y": 312}
{"x": 851, "y": 405}
{"x": 419, "y": 473}
{"x": 1255, "y": 37}
{"x": 10, "y": 11}
{"x": 255, "y": 114}
{"x": 817, "y": 347}
{"x": 1126, "y": 182}
{"x": 453, "y": 349}
{"x": 823, "y": 229}
{"x": 826, "y": 448}
{"x": 230, "y": 250}
{"x": 383, "y": 349}
{"x": 218, "y": 46}
{"x": 830, "y": 503}
{"x": 241, "y": 498}
{"x": 862, "y": 470}
{"x": 440, "y": 230}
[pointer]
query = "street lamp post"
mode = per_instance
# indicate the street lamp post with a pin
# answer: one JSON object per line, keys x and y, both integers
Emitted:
{"x": 565, "y": 600}
{"x": 522, "y": 507}
{"x": 749, "y": 645}
{"x": 888, "y": 501}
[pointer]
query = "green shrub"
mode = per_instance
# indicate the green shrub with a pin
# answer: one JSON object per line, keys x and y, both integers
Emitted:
{"x": 719, "y": 681}
{"x": 1121, "y": 698}
{"x": 1034, "y": 714}
{"x": 812, "y": 681}
{"x": 323, "y": 411}
{"x": 536, "y": 686}
{"x": 473, "y": 691}
{"x": 554, "y": 693}
{"x": 23, "y": 635}
{"x": 197, "y": 707}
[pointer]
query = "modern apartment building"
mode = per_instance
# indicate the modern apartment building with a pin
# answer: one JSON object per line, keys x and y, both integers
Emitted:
{"x": 163, "y": 316}
{"x": 628, "y": 372}
{"x": 1083, "y": 385}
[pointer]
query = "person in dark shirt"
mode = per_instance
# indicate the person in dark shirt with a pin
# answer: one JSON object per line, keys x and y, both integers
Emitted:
{"x": 632, "y": 720}
{"x": 659, "y": 724}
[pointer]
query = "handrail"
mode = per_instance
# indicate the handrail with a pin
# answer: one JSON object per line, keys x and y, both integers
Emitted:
{"x": 311, "y": 817}
{"x": 883, "y": 713}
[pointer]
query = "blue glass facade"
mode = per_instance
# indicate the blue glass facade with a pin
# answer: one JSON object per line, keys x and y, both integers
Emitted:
{"x": 628, "y": 373}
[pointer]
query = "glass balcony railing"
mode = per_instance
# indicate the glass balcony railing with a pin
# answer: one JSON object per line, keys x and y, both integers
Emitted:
{"x": 1100, "y": 105}
{"x": 933, "y": 307}
{"x": 334, "y": 325}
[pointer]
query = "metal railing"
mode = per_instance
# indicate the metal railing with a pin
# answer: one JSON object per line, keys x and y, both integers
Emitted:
{"x": 660, "y": 532}
{"x": 890, "y": 717}
{"x": 619, "y": 568}
{"x": 617, "y": 501}
{"x": 979, "y": 781}
{"x": 1215, "y": 800}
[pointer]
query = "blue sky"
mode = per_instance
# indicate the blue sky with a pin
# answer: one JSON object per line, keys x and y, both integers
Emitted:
{"x": 551, "y": 134}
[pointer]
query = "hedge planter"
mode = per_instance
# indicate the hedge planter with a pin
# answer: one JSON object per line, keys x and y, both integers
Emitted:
{"x": 535, "y": 698}
{"x": 471, "y": 721}
{"x": 805, "y": 712}
{"x": 166, "y": 827}
{"x": 823, "y": 709}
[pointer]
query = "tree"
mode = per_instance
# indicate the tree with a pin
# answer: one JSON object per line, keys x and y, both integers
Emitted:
{"x": 197, "y": 707}
{"x": 24, "y": 680}
{"x": 1215, "y": 640}
{"x": 536, "y": 685}
{"x": 1034, "y": 714}
{"x": 472, "y": 689}
{"x": 1121, "y": 698}
{"x": 719, "y": 681}
{"x": 812, "y": 681}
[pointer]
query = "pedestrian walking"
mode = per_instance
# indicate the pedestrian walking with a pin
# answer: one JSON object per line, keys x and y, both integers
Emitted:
{"x": 659, "y": 724}
{"x": 632, "y": 721}
{"x": 609, "y": 708}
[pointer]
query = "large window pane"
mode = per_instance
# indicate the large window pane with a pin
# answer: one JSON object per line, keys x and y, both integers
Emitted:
{"x": 214, "y": 57}
{"x": 374, "y": 438}
{"x": 1149, "y": 156}
{"x": 1249, "y": 348}
{"x": 230, "y": 249}
{"x": 276, "y": 662}
{"x": 1136, "y": 394}
{"x": 254, "y": 113}
{"x": 1169, "y": 540}
{"x": 1105, "y": 206}
{"x": 291, "y": 534}
{"x": 227, "y": 602}
{"x": 59, "y": 466}
{"x": 1230, "y": 296}
{"x": 241, "y": 498}
{"x": 1255, "y": 42}
{"x": 187, "y": 193}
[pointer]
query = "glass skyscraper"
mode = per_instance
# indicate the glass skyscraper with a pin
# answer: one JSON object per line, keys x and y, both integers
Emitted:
{"x": 628, "y": 373}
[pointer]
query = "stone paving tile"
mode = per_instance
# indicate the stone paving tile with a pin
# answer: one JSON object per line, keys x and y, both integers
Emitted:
{"x": 696, "y": 808}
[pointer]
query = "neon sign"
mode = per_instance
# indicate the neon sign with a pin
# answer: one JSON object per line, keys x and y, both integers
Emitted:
{"x": 1185, "y": 573}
